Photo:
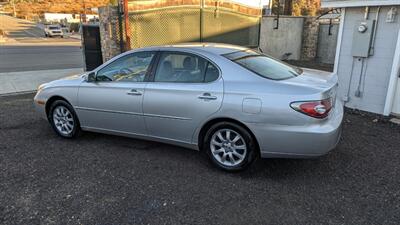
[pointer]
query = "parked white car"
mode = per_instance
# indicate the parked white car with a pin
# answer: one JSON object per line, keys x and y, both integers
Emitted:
{"x": 53, "y": 30}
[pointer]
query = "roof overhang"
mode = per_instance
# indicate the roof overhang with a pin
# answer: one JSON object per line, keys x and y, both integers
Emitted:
{"x": 357, "y": 3}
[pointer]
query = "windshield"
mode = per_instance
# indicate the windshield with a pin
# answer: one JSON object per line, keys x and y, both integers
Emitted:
{"x": 54, "y": 28}
{"x": 263, "y": 65}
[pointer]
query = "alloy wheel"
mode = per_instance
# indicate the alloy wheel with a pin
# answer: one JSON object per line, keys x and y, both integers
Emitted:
{"x": 228, "y": 147}
{"x": 63, "y": 120}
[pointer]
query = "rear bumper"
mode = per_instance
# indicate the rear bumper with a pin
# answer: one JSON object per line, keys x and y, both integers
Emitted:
{"x": 282, "y": 141}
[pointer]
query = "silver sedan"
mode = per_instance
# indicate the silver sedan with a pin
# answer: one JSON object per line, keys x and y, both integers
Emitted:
{"x": 233, "y": 103}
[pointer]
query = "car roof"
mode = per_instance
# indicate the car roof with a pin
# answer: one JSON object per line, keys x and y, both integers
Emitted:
{"x": 213, "y": 48}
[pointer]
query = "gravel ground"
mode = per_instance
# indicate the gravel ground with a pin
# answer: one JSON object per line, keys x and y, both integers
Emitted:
{"x": 101, "y": 179}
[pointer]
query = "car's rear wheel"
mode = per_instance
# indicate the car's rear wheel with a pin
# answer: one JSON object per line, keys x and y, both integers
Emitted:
{"x": 63, "y": 119}
{"x": 230, "y": 146}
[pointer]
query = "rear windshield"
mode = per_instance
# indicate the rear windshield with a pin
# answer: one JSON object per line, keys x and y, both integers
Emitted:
{"x": 54, "y": 28}
{"x": 263, "y": 65}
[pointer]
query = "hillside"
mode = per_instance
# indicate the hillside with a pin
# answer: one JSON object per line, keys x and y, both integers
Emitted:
{"x": 29, "y": 8}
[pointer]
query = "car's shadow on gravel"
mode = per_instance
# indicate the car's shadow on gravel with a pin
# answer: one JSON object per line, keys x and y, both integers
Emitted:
{"x": 336, "y": 163}
{"x": 273, "y": 168}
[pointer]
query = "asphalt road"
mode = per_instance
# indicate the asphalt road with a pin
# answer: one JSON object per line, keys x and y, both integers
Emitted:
{"x": 101, "y": 179}
{"x": 27, "y": 49}
{"x": 29, "y": 58}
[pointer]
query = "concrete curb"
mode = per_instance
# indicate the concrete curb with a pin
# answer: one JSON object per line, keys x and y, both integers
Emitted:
{"x": 73, "y": 36}
{"x": 17, "y": 93}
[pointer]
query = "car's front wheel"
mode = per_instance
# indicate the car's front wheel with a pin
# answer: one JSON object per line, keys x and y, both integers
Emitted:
{"x": 230, "y": 146}
{"x": 63, "y": 119}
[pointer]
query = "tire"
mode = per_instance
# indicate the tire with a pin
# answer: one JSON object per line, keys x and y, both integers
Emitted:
{"x": 67, "y": 126}
{"x": 238, "y": 154}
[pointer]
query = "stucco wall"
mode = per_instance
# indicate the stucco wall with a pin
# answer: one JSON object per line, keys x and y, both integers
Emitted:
{"x": 286, "y": 39}
{"x": 377, "y": 67}
{"x": 327, "y": 43}
{"x": 300, "y": 37}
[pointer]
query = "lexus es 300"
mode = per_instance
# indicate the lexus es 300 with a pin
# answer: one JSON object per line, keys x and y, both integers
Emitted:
{"x": 233, "y": 103}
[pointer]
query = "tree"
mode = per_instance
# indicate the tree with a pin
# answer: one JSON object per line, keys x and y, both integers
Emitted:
{"x": 306, "y": 7}
{"x": 296, "y": 7}
{"x": 288, "y": 7}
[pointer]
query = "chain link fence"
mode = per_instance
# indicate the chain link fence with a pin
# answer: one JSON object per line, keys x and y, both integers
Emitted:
{"x": 162, "y": 22}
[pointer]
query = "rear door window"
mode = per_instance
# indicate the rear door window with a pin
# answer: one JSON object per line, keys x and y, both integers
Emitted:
{"x": 180, "y": 67}
{"x": 263, "y": 65}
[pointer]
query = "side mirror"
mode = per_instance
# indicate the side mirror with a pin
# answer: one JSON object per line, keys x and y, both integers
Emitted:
{"x": 91, "y": 77}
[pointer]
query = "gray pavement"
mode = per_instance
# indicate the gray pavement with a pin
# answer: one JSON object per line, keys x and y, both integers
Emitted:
{"x": 17, "y": 82}
{"x": 103, "y": 179}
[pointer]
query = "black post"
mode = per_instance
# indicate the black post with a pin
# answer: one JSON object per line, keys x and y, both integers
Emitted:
{"x": 201, "y": 20}
{"x": 121, "y": 29}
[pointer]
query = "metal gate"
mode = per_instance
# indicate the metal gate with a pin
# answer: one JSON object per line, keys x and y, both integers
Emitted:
{"x": 158, "y": 22}
{"x": 91, "y": 46}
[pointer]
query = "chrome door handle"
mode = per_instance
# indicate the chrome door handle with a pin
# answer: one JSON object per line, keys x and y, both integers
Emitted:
{"x": 207, "y": 96}
{"x": 134, "y": 92}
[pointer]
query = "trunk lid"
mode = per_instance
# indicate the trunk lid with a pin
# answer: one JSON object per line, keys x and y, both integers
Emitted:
{"x": 324, "y": 83}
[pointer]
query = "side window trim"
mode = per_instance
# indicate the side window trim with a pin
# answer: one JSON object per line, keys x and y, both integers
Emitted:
{"x": 150, "y": 76}
{"x": 205, "y": 72}
{"x": 121, "y": 57}
{"x": 157, "y": 62}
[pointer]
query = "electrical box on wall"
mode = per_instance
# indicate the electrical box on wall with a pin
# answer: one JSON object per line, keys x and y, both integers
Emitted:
{"x": 362, "y": 38}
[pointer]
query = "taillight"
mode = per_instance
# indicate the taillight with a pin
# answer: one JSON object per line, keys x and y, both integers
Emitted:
{"x": 317, "y": 109}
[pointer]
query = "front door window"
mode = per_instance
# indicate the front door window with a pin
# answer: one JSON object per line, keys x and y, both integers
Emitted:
{"x": 129, "y": 68}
